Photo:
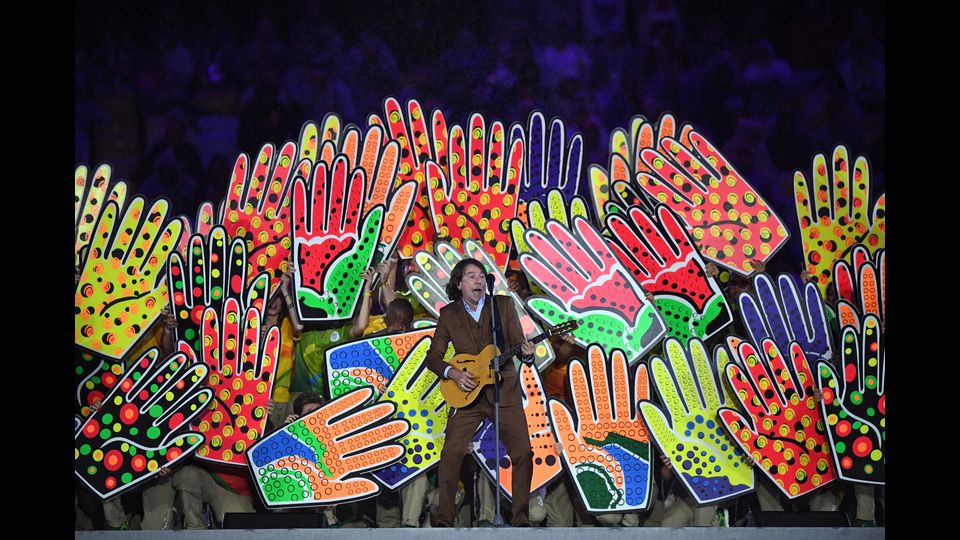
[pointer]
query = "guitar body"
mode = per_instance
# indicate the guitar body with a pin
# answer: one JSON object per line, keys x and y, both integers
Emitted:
{"x": 480, "y": 367}
{"x": 477, "y": 365}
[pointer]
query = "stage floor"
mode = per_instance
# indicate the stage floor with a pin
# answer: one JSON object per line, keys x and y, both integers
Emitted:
{"x": 553, "y": 533}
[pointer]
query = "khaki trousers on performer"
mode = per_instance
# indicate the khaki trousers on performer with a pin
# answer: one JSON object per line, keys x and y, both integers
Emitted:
{"x": 866, "y": 504}
{"x": 654, "y": 516}
{"x": 558, "y": 506}
{"x": 462, "y": 511}
{"x": 824, "y": 500}
{"x": 158, "y": 498}
{"x": 768, "y": 497}
{"x": 537, "y": 509}
{"x": 196, "y": 487}
{"x": 113, "y": 513}
{"x": 388, "y": 518}
{"x": 631, "y": 519}
{"x": 680, "y": 512}
{"x": 413, "y": 499}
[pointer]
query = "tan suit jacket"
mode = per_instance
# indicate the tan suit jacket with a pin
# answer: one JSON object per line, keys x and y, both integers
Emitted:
{"x": 470, "y": 337}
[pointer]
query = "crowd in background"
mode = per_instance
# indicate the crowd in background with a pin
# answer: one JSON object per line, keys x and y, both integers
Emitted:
{"x": 170, "y": 94}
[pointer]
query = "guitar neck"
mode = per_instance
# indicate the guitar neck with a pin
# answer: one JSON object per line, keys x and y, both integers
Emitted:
{"x": 509, "y": 353}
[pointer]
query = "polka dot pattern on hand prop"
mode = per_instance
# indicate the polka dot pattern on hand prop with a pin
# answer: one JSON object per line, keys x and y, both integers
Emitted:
{"x": 379, "y": 159}
{"x": 585, "y": 282}
{"x": 614, "y": 189}
{"x": 546, "y": 167}
{"x": 334, "y": 241}
{"x": 660, "y": 254}
{"x": 89, "y": 196}
{"x": 204, "y": 223}
{"x": 215, "y": 270}
{"x": 861, "y": 289}
{"x": 418, "y": 144}
{"x": 415, "y": 390}
{"x": 372, "y": 361}
{"x": 122, "y": 286}
{"x": 313, "y": 143}
{"x": 257, "y": 209}
{"x": 834, "y": 216}
{"x": 142, "y": 424}
{"x": 603, "y": 441}
{"x": 242, "y": 367}
{"x": 319, "y": 458}
{"x": 95, "y": 376}
{"x": 546, "y": 464}
{"x": 855, "y": 405}
{"x": 729, "y": 221}
{"x": 775, "y": 311}
{"x": 783, "y": 429}
{"x": 704, "y": 456}
{"x": 478, "y": 196}
{"x": 557, "y": 209}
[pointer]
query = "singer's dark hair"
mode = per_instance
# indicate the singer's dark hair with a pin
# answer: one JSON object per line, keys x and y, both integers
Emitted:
{"x": 456, "y": 276}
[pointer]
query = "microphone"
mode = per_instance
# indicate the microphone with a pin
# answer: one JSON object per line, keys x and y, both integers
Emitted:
{"x": 490, "y": 280}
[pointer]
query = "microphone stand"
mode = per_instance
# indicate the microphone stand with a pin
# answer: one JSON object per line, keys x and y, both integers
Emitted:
{"x": 495, "y": 365}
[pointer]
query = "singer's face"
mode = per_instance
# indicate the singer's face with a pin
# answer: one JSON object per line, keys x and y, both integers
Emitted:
{"x": 473, "y": 285}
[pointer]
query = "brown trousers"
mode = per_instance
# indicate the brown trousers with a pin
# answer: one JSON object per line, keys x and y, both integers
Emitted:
{"x": 462, "y": 424}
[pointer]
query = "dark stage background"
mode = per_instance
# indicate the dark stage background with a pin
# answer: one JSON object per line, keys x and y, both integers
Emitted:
{"x": 170, "y": 92}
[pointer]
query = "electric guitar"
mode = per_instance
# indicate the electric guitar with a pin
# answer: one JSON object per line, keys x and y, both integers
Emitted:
{"x": 481, "y": 366}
